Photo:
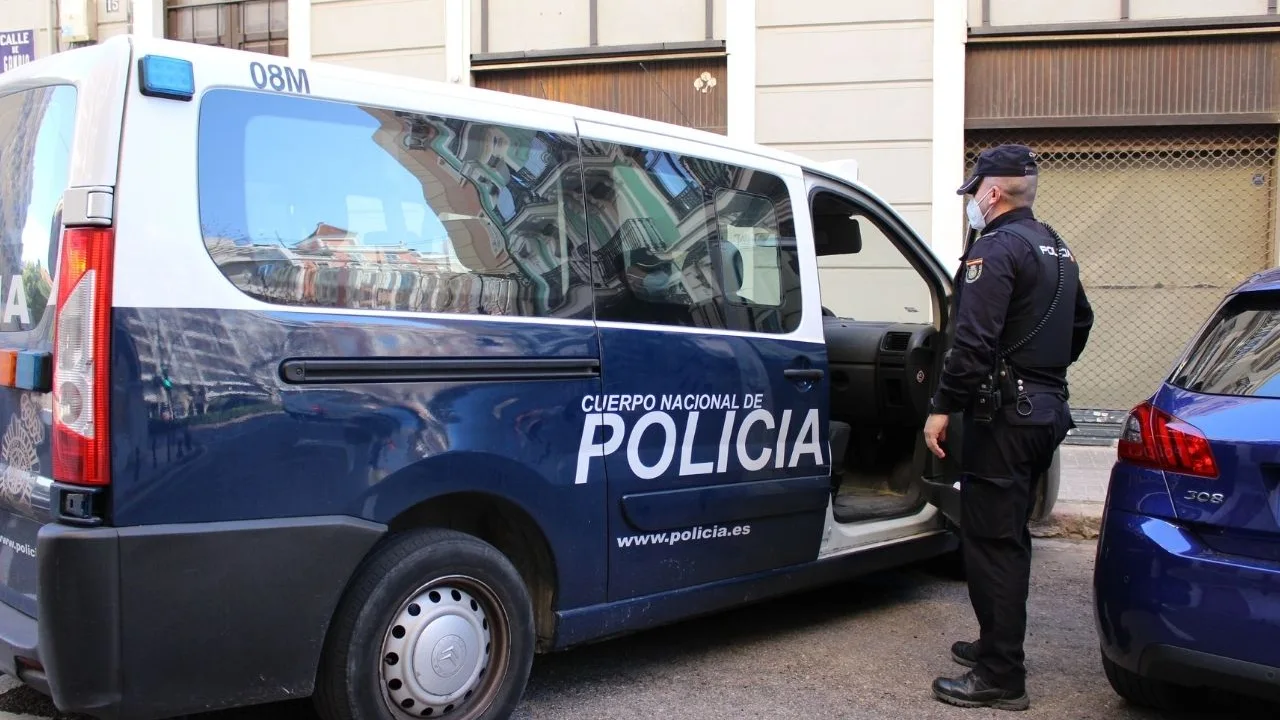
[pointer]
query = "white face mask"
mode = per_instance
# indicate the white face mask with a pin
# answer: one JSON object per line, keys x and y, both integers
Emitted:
{"x": 977, "y": 216}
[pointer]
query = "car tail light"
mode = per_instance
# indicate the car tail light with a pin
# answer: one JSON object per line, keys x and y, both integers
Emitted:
{"x": 81, "y": 354}
{"x": 1154, "y": 438}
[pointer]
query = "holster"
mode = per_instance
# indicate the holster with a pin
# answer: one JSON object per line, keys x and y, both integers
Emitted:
{"x": 998, "y": 387}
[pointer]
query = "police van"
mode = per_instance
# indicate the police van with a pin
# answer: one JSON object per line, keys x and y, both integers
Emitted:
{"x": 322, "y": 382}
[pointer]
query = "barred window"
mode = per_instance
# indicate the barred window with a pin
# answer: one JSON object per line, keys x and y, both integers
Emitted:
{"x": 253, "y": 25}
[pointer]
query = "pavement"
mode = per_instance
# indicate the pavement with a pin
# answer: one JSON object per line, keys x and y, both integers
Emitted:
{"x": 1082, "y": 494}
{"x": 863, "y": 650}
{"x": 867, "y": 649}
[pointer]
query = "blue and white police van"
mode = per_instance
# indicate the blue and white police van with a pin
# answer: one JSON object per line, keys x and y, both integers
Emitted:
{"x": 321, "y": 382}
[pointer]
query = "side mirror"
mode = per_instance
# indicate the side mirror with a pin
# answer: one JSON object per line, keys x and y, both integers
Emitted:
{"x": 855, "y": 237}
{"x": 837, "y": 235}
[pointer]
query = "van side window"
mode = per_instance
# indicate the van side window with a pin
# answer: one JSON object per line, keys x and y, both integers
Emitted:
{"x": 36, "y": 128}
{"x": 690, "y": 242}
{"x": 318, "y": 203}
{"x": 876, "y": 283}
{"x": 749, "y": 239}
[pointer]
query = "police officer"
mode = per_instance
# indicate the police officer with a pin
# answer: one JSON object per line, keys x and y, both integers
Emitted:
{"x": 1020, "y": 319}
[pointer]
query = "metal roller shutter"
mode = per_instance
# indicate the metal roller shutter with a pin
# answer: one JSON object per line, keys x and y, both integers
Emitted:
{"x": 688, "y": 91}
{"x": 1164, "y": 221}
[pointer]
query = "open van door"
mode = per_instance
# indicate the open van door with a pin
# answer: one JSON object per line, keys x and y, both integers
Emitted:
{"x": 886, "y": 300}
{"x": 942, "y": 475}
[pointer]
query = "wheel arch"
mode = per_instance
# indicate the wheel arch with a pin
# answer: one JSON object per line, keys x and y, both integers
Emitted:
{"x": 509, "y": 528}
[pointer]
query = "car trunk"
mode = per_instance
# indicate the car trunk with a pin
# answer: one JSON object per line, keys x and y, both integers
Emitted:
{"x": 1225, "y": 397}
{"x": 1245, "y": 496}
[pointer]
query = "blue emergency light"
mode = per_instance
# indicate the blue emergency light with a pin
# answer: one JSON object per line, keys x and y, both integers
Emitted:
{"x": 34, "y": 371}
{"x": 166, "y": 77}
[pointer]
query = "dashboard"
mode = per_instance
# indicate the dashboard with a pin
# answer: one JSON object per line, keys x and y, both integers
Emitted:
{"x": 881, "y": 372}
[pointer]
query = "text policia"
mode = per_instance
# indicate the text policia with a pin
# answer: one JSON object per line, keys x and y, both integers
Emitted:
{"x": 605, "y": 428}
{"x": 676, "y": 537}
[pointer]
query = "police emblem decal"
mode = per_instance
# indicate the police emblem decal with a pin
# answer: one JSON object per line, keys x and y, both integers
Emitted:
{"x": 973, "y": 270}
{"x": 20, "y": 452}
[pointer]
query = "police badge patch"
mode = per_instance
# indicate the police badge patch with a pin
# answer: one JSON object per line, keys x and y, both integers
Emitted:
{"x": 972, "y": 270}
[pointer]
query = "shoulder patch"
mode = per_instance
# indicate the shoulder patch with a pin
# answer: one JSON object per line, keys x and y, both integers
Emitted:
{"x": 972, "y": 270}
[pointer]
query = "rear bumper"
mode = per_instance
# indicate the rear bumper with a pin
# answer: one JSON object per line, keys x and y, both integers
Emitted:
{"x": 1171, "y": 609}
{"x": 1192, "y": 669}
{"x": 197, "y": 616}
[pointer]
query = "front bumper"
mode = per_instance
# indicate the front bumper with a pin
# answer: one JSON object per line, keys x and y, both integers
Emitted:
{"x": 1169, "y": 608}
{"x": 157, "y": 621}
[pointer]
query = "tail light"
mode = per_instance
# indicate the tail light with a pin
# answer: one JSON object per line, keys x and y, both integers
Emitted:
{"x": 1156, "y": 439}
{"x": 81, "y": 354}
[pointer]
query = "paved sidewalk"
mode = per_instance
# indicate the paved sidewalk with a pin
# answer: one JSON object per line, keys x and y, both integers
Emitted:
{"x": 1086, "y": 472}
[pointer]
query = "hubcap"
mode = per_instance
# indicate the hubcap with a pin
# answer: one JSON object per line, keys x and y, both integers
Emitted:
{"x": 436, "y": 653}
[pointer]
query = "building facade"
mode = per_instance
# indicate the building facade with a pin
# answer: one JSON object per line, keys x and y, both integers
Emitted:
{"x": 1157, "y": 120}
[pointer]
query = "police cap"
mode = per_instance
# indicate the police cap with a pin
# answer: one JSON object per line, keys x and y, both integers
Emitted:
{"x": 1001, "y": 161}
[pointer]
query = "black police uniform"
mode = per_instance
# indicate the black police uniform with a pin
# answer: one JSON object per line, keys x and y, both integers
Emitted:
{"x": 1004, "y": 288}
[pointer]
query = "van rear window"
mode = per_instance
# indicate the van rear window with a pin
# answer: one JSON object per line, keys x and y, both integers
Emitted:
{"x": 319, "y": 203}
{"x": 36, "y": 128}
{"x": 1239, "y": 352}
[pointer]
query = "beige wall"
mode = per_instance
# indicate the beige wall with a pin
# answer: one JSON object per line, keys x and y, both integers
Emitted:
{"x": 27, "y": 15}
{"x": 35, "y": 15}
{"x": 633, "y": 22}
{"x": 1031, "y": 12}
{"x": 516, "y": 25}
{"x": 870, "y": 98}
{"x": 115, "y": 23}
{"x": 530, "y": 25}
{"x": 1150, "y": 9}
{"x": 1038, "y": 12}
{"x": 837, "y": 80}
{"x": 399, "y": 36}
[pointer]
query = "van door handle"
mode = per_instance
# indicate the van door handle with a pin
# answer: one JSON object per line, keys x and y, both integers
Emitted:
{"x": 814, "y": 374}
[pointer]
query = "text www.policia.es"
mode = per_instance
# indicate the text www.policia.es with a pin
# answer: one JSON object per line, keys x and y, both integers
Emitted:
{"x": 679, "y": 536}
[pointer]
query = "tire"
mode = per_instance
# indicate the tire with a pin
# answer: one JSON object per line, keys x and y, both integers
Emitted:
{"x": 1141, "y": 691}
{"x": 434, "y": 597}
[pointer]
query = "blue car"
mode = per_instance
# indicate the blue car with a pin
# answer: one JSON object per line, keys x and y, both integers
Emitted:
{"x": 1187, "y": 579}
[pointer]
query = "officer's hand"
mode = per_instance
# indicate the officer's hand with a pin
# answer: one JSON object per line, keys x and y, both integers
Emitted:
{"x": 935, "y": 432}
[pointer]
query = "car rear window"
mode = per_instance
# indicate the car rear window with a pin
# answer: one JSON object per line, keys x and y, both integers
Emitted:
{"x": 35, "y": 156}
{"x": 1239, "y": 351}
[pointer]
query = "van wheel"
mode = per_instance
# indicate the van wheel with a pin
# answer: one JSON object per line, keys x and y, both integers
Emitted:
{"x": 435, "y": 623}
{"x": 1138, "y": 690}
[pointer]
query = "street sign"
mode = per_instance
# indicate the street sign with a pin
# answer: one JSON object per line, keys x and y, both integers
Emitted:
{"x": 17, "y": 47}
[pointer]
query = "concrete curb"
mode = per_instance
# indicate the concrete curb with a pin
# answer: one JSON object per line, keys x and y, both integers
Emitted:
{"x": 1078, "y": 521}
